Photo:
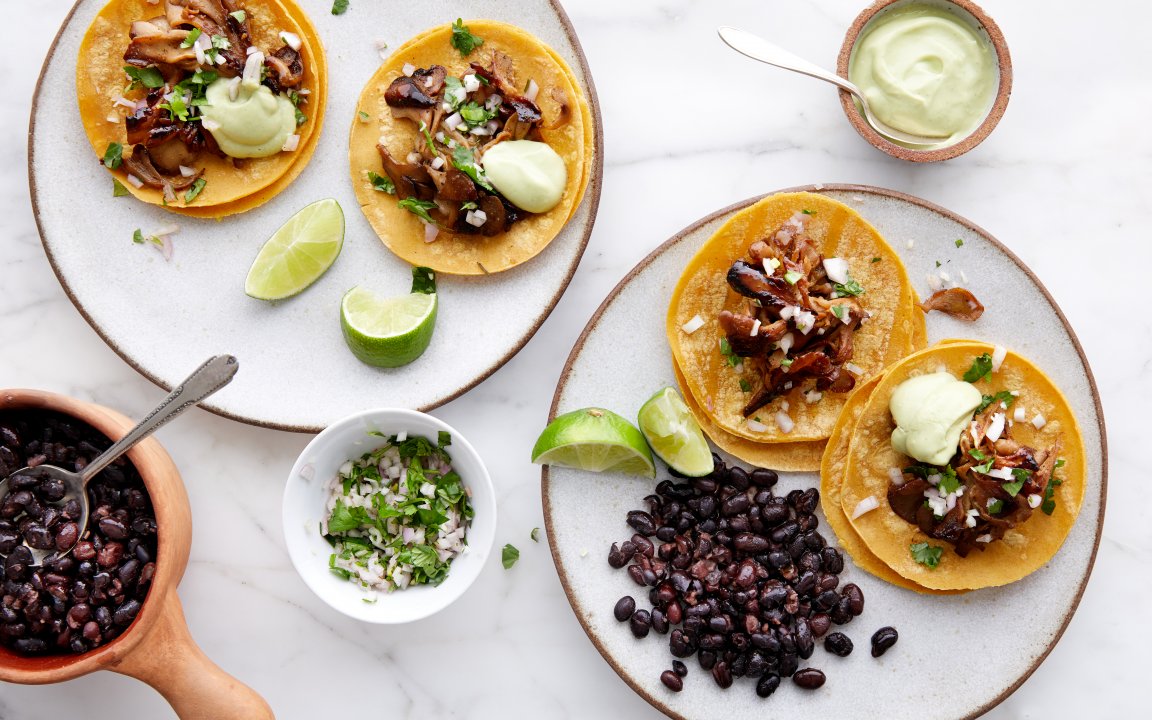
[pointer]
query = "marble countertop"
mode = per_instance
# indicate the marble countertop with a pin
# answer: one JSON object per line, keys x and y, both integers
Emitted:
{"x": 1063, "y": 181}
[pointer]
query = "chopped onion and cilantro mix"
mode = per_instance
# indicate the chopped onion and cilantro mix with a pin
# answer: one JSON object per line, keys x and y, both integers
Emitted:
{"x": 398, "y": 515}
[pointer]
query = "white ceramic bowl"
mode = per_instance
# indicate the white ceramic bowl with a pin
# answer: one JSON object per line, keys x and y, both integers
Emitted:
{"x": 304, "y": 498}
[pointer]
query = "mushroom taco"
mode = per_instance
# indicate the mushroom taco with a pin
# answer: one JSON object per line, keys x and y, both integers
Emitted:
{"x": 783, "y": 311}
{"x": 205, "y": 107}
{"x": 973, "y": 462}
{"x": 471, "y": 148}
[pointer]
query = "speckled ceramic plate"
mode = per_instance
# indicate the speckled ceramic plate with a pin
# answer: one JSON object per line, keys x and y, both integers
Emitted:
{"x": 296, "y": 372}
{"x": 958, "y": 656}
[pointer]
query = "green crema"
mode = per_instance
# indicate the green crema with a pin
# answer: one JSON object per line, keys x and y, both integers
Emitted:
{"x": 930, "y": 413}
{"x": 252, "y": 125}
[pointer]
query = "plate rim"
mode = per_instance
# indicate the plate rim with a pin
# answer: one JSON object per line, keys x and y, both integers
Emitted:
{"x": 594, "y": 321}
{"x": 591, "y": 200}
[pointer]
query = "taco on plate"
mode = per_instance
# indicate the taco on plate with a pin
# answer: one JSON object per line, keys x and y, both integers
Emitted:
{"x": 972, "y": 461}
{"x": 471, "y": 148}
{"x": 792, "y": 303}
{"x": 205, "y": 107}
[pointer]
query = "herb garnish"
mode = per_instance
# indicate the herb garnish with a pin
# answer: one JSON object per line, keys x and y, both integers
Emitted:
{"x": 949, "y": 483}
{"x": 1049, "y": 505}
{"x": 363, "y": 116}
{"x": 149, "y": 77}
{"x": 137, "y": 236}
{"x": 535, "y": 534}
{"x": 462, "y": 38}
{"x": 476, "y": 115}
{"x": 959, "y": 242}
{"x": 808, "y": 212}
{"x": 113, "y": 156}
{"x": 339, "y": 6}
{"x": 509, "y": 555}
{"x": 838, "y": 311}
{"x": 792, "y": 277}
{"x": 926, "y": 554}
{"x": 465, "y": 161}
{"x": 1021, "y": 475}
{"x": 995, "y": 507}
{"x": 239, "y": 16}
{"x": 728, "y": 353}
{"x": 1003, "y": 396}
{"x": 197, "y": 187}
{"x": 745, "y": 386}
{"x": 451, "y": 95}
{"x": 193, "y": 35}
{"x": 118, "y": 189}
{"x": 418, "y": 207}
{"x": 981, "y": 369}
{"x": 301, "y": 118}
{"x": 849, "y": 288}
{"x": 383, "y": 183}
{"x": 424, "y": 282}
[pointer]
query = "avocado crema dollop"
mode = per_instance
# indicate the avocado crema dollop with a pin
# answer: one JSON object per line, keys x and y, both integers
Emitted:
{"x": 529, "y": 174}
{"x": 930, "y": 413}
{"x": 254, "y": 124}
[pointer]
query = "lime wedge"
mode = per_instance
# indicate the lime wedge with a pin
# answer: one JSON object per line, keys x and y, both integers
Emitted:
{"x": 387, "y": 331}
{"x": 594, "y": 439}
{"x": 298, "y": 253}
{"x": 674, "y": 434}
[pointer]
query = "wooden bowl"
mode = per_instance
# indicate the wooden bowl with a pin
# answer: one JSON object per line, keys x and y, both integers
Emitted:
{"x": 157, "y": 647}
{"x": 966, "y": 10}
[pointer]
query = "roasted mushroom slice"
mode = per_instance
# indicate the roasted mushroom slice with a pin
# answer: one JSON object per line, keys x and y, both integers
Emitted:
{"x": 957, "y": 302}
{"x": 140, "y": 165}
{"x": 285, "y": 70}
{"x": 410, "y": 179}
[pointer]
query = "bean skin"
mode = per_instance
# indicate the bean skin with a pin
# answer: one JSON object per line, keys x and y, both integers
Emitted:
{"x": 625, "y": 606}
{"x": 671, "y": 681}
{"x": 883, "y": 639}
{"x": 809, "y": 678}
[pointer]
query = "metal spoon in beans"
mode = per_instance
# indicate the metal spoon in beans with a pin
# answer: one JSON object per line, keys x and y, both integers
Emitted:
{"x": 59, "y": 486}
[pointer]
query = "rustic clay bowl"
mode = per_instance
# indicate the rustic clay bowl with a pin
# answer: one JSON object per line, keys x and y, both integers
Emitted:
{"x": 965, "y": 10}
{"x": 157, "y": 647}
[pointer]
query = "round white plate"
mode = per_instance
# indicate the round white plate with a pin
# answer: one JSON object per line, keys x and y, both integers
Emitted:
{"x": 958, "y": 656}
{"x": 296, "y": 373}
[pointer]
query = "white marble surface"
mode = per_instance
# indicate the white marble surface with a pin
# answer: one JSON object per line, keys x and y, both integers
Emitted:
{"x": 1063, "y": 181}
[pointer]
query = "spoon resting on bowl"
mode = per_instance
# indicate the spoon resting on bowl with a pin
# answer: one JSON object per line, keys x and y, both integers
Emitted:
{"x": 214, "y": 374}
{"x": 760, "y": 49}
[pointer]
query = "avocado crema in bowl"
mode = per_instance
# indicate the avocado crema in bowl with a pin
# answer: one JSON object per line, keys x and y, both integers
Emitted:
{"x": 935, "y": 68}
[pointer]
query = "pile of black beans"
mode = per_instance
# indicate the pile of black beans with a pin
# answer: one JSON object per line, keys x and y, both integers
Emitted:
{"x": 738, "y": 576}
{"x": 87, "y": 597}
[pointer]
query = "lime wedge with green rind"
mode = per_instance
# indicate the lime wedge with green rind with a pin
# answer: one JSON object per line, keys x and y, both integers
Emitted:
{"x": 674, "y": 434}
{"x": 390, "y": 331}
{"x": 298, "y": 253}
{"x": 596, "y": 440}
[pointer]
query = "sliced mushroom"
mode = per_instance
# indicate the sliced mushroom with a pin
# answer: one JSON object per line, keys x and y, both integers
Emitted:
{"x": 159, "y": 45}
{"x": 140, "y": 164}
{"x": 957, "y": 302}
{"x": 417, "y": 91}
{"x": 410, "y": 179}
{"x": 752, "y": 282}
{"x": 213, "y": 19}
{"x": 285, "y": 70}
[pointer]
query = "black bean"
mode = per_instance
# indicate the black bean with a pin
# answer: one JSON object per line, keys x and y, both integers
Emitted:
{"x": 680, "y": 645}
{"x": 838, "y": 644}
{"x": 641, "y": 522}
{"x": 819, "y": 623}
{"x": 679, "y": 668}
{"x": 767, "y": 685}
{"x": 805, "y": 644}
{"x": 738, "y": 478}
{"x": 883, "y": 639}
{"x": 855, "y": 597}
{"x": 640, "y": 623}
{"x": 735, "y": 505}
{"x": 788, "y": 664}
{"x": 722, "y": 674}
{"x": 625, "y": 606}
{"x": 808, "y": 678}
{"x": 671, "y": 681}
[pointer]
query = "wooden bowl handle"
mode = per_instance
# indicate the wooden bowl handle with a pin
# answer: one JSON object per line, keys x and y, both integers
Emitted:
{"x": 169, "y": 660}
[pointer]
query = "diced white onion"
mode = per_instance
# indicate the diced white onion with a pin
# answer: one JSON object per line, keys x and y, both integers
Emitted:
{"x": 998, "y": 354}
{"x": 382, "y": 49}
{"x": 788, "y": 386}
{"x": 471, "y": 82}
{"x": 934, "y": 479}
{"x": 437, "y": 162}
{"x": 291, "y": 143}
{"x": 837, "y": 269}
{"x": 945, "y": 277}
{"x": 784, "y": 422}
{"x": 292, "y": 40}
{"x": 1034, "y": 501}
{"x": 234, "y": 88}
{"x": 476, "y": 218}
{"x": 693, "y": 325}
{"x": 165, "y": 247}
{"x": 308, "y": 471}
{"x": 866, "y": 505}
{"x": 493, "y": 102}
{"x": 854, "y": 369}
{"x": 113, "y": 118}
{"x": 125, "y": 102}
{"x": 169, "y": 229}
{"x": 896, "y": 476}
{"x": 401, "y": 436}
{"x": 1004, "y": 473}
{"x": 1019, "y": 415}
{"x": 813, "y": 396}
{"x": 784, "y": 405}
{"x": 532, "y": 91}
{"x": 408, "y": 69}
{"x": 970, "y": 521}
{"x": 453, "y": 121}
{"x": 252, "y": 67}
{"x": 135, "y": 181}
{"x": 201, "y": 58}
{"x": 1039, "y": 421}
{"x": 755, "y": 425}
{"x": 805, "y": 321}
{"x": 755, "y": 328}
{"x": 996, "y": 427}
{"x": 986, "y": 538}
{"x": 963, "y": 277}
{"x": 441, "y": 138}
{"x": 934, "y": 283}
{"x": 911, "y": 244}
{"x": 786, "y": 342}
{"x": 430, "y": 232}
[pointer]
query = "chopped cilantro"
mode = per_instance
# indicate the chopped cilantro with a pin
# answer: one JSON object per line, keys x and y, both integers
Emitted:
{"x": 469, "y": 205}
{"x": 118, "y": 189}
{"x": 476, "y": 115}
{"x": 427, "y": 137}
{"x": 149, "y": 77}
{"x": 239, "y": 16}
{"x": 875, "y": 259}
{"x": 808, "y": 212}
{"x": 838, "y": 311}
{"x": 938, "y": 263}
{"x": 296, "y": 99}
{"x": 345, "y": 518}
{"x": 363, "y": 116}
{"x": 745, "y": 386}
{"x": 849, "y": 288}
{"x": 1049, "y": 505}
{"x": 728, "y": 353}
{"x": 920, "y": 471}
{"x": 113, "y": 156}
{"x": 986, "y": 467}
{"x": 509, "y": 555}
{"x": 977, "y": 454}
{"x": 465, "y": 161}
{"x": 176, "y": 107}
{"x": 463, "y": 39}
{"x": 190, "y": 40}
{"x": 949, "y": 483}
{"x": 443, "y": 438}
{"x": 339, "y": 7}
{"x": 786, "y": 363}
{"x": 1013, "y": 488}
{"x": 995, "y": 507}
{"x": 383, "y": 183}
{"x": 959, "y": 242}
{"x": 792, "y": 277}
{"x": 1003, "y": 396}
{"x": 424, "y": 282}
{"x": 1059, "y": 462}
{"x": 137, "y": 236}
{"x": 196, "y": 189}
{"x": 981, "y": 369}
{"x": 418, "y": 208}
{"x": 451, "y": 95}
{"x": 925, "y": 554}
{"x": 535, "y": 534}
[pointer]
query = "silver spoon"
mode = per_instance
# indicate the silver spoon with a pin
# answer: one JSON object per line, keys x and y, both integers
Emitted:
{"x": 760, "y": 49}
{"x": 214, "y": 374}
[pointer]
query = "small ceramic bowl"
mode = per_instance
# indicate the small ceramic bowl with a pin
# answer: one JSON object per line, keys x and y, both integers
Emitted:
{"x": 985, "y": 26}
{"x": 304, "y": 506}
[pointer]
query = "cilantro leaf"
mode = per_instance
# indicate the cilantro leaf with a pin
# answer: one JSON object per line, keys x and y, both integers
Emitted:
{"x": 113, "y": 155}
{"x": 920, "y": 471}
{"x": 977, "y": 454}
{"x": 419, "y": 208}
{"x": 925, "y": 554}
{"x": 849, "y": 288}
{"x": 476, "y": 115}
{"x": 808, "y": 212}
{"x": 981, "y": 369}
{"x": 118, "y": 189}
{"x": 1003, "y": 396}
{"x": 382, "y": 183}
{"x": 745, "y": 386}
{"x": 949, "y": 483}
{"x": 176, "y": 107}
{"x": 792, "y": 277}
{"x": 196, "y": 189}
{"x": 995, "y": 507}
{"x": 137, "y": 236}
{"x": 1049, "y": 504}
{"x": 535, "y": 534}
{"x": 463, "y": 39}
{"x": 1013, "y": 488}
{"x": 424, "y": 282}
{"x": 149, "y": 77}
{"x": 509, "y": 555}
{"x": 344, "y": 518}
{"x": 193, "y": 36}
{"x": 339, "y": 7}
{"x": 364, "y": 117}
{"x": 452, "y": 94}
{"x": 838, "y": 311}
{"x": 875, "y": 259}
{"x": 443, "y": 438}
{"x": 730, "y": 354}
{"x": 465, "y": 161}
{"x": 959, "y": 242}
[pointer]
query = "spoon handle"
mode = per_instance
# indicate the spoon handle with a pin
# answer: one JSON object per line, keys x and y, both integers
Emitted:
{"x": 760, "y": 49}
{"x": 214, "y": 374}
